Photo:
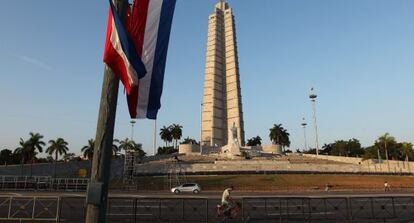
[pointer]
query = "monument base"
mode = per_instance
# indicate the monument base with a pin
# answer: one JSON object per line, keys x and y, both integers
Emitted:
{"x": 231, "y": 150}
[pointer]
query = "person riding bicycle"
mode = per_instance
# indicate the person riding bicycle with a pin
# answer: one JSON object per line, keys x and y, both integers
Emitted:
{"x": 227, "y": 201}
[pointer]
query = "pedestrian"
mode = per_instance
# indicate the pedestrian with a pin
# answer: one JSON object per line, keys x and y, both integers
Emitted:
{"x": 327, "y": 187}
{"x": 386, "y": 186}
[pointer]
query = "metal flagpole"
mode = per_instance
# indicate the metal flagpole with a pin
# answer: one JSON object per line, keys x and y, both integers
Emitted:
{"x": 313, "y": 97}
{"x": 304, "y": 132}
{"x": 155, "y": 137}
{"x": 201, "y": 129}
{"x": 97, "y": 193}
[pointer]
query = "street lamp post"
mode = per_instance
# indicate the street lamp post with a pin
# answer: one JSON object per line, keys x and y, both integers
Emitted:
{"x": 201, "y": 128}
{"x": 304, "y": 132}
{"x": 313, "y": 96}
{"x": 386, "y": 152}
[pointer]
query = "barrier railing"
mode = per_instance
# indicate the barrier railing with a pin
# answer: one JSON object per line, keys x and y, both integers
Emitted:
{"x": 42, "y": 183}
{"x": 41, "y": 209}
{"x": 254, "y": 209}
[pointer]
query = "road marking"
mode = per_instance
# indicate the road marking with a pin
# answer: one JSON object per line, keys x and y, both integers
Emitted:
{"x": 15, "y": 194}
{"x": 74, "y": 195}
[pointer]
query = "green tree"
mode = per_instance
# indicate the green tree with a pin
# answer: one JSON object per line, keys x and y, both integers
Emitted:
{"x": 131, "y": 145}
{"x": 57, "y": 147}
{"x": 88, "y": 149}
{"x": 279, "y": 136}
{"x": 254, "y": 141}
{"x": 326, "y": 149}
{"x": 166, "y": 135}
{"x": 176, "y": 132}
{"x": 6, "y": 157}
{"x": 69, "y": 157}
{"x": 386, "y": 146}
{"x": 351, "y": 147}
{"x": 115, "y": 148}
{"x": 189, "y": 140}
{"x": 35, "y": 144}
{"x": 390, "y": 145}
{"x": 137, "y": 147}
{"x": 23, "y": 150}
{"x": 125, "y": 144}
{"x": 166, "y": 150}
{"x": 406, "y": 151}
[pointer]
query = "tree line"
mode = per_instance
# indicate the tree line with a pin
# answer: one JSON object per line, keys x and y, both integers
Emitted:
{"x": 385, "y": 147}
{"x": 28, "y": 150}
{"x": 170, "y": 135}
{"x": 277, "y": 134}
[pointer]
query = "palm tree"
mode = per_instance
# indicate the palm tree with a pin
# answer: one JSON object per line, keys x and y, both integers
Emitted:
{"x": 189, "y": 140}
{"x": 176, "y": 132}
{"x": 279, "y": 136}
{"x": 22, "y": 151}
{"x": 125, "y": 144}
{"x": 88, "y": 149}
{"x": 137, "y": 147}
{"x": 285, "y": 139}
{"x": 406, "y": 150}
{"x": 115, "y": 148}
{"x": 57, "y": 147}
{"x": 254, "y": 141}
{"x": 386, "y": 139}
{"x": 166, "y": 135}
{"x": 35, "y": 143}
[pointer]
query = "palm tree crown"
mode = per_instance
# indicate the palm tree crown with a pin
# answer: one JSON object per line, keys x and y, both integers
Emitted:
{"x": 27, "y": 149}
{"x": 88, "y": 149}
{"x": 166, "y": 135}
{"x": 57, "y": 147}
{"x": 125, "y": 144}
{"x": 23, "y": 150}
{"x": 176, "y": 132}
{"x": 279, "y": 135}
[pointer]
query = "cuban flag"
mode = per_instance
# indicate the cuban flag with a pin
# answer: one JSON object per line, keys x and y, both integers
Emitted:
{"x": 120, "y": 53}
{"x": 149, "y": 23}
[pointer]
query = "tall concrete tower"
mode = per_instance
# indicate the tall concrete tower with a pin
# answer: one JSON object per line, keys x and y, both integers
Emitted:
{"x": 222, "y": 103}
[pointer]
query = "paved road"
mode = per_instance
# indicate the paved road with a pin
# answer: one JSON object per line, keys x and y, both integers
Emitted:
{"x": 212, "y": 194}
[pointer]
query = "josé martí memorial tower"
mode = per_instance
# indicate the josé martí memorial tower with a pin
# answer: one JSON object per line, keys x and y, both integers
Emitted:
{"x": 222, "y": 111}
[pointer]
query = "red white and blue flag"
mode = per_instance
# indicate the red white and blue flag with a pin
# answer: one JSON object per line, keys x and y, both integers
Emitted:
{"x": 137, "y": 53}
{"x": 120, "y": 52}
{"x": 150, "y": 24}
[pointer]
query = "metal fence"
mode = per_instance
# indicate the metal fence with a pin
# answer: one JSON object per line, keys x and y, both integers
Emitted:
{"x": 254, "y": 209}
{"x": 42, "y": 183}
{"x": 329, "y": 209}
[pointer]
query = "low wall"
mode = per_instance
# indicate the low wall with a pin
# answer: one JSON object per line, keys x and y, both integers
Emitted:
{"x": 63, "y": 169}
{"x": 239, "y": 166}
{"x": 274, "y": 149}
{"x": 188, "y": 149}
{"x": 372, "y": 165}
{"x": 353, "y": 160}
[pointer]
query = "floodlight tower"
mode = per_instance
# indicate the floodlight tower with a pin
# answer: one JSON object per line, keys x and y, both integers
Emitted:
{"x": 313, "y": 96}
{"x": 304, "y": 124}
{"x": 132, "y": 128}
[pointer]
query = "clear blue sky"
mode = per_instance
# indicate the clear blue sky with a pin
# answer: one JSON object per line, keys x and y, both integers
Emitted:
{"x": 358, "y": 54}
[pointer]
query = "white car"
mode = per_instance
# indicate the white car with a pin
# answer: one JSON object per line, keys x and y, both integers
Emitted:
{"x": 188, "y": 187}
